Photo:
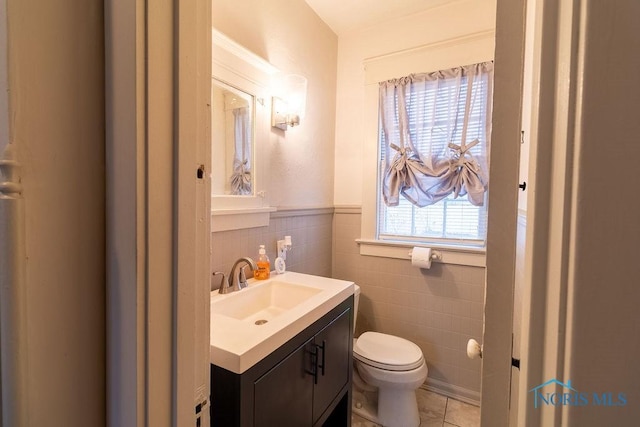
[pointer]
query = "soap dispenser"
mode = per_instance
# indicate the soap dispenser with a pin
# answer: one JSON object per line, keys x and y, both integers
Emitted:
{"x": 264, "y": 266}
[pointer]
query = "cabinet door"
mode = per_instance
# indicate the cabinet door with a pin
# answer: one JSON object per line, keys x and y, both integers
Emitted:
{"x": 334, "y": 359}
{"x": 284, "y": 395}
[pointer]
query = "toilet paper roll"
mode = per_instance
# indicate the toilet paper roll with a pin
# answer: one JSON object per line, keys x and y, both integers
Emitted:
{"x": 421, "y": 257}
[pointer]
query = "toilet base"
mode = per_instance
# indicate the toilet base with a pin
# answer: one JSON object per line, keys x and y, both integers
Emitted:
{"x": 398, "y": 407}
{"x": 390, "y": 409}
{"x": 365, "y": 405}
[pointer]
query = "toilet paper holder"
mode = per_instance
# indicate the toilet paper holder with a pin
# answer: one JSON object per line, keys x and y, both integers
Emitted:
{"x": 435, "y": 255}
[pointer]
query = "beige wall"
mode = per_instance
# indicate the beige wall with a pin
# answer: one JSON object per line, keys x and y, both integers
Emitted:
{"x": 56, "y": 78}
{"x": 291, "y": 37}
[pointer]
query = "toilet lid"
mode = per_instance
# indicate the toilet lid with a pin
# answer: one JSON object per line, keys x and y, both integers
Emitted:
{"x": 387, "y": 352}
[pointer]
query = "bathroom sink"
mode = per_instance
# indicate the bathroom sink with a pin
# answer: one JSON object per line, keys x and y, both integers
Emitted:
{"x": 248, "y": 325}
{"x": 262, "y": 303}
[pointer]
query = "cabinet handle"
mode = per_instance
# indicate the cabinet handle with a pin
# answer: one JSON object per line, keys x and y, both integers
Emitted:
{"x": 324, "y": 351}
{"x": 314, "y": 363}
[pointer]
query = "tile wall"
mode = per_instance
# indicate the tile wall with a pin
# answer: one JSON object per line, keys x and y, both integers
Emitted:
{"x": 310, "y": 231}
{"x": 439, "y": 309}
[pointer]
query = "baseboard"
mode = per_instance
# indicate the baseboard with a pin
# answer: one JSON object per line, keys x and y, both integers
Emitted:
{"x": 453, "y": 391}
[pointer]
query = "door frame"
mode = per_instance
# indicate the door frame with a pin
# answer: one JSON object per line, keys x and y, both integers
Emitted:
{"x": 555, "y": 114}
{"x": 555, "y": 105}
{"x": 134, "y": 300}
{"x": 157, "y": 88}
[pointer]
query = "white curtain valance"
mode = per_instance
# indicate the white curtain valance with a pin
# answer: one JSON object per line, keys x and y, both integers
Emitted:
{"x": 436, "y": 134}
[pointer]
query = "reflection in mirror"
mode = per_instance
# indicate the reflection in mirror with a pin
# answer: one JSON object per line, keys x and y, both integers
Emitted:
{"x": 232, "y": 135}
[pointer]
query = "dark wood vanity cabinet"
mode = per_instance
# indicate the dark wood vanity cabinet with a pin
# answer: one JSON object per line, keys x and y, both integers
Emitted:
{"x": 306, "y": 382}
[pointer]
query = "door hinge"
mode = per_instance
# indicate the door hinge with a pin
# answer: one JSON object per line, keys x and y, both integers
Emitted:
{"x": 199, "y": 407}
{"x": 515, "y": 363}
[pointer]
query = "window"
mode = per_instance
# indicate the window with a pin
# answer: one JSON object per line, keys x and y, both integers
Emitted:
{"x": 434, "y": 145}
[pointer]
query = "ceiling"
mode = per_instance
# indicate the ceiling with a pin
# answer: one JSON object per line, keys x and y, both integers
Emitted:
{"x": 344, "y": 16}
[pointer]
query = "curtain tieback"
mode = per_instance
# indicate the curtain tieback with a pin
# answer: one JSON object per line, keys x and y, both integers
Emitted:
{"x": 461, "y": 156}
{"x": 403, "y": 151}
{"x": 400, "y": 159}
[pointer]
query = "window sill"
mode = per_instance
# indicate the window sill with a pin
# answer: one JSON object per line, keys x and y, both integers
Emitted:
{"x": 450, "y": 254}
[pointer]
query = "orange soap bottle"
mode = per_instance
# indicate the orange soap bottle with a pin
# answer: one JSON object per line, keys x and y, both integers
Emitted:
{"x": 264, "y": 266}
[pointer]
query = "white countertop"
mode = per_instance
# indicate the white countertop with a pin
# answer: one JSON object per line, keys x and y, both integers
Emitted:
{"x": 237, "y": 345}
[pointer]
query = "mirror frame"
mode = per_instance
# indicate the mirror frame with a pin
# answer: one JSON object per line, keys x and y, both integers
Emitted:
{"x": 238, "y": 67}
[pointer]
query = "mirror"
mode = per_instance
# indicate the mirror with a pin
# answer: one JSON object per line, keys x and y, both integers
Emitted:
{"x": 232, "y": 137}
{"x": 240, "y": 131}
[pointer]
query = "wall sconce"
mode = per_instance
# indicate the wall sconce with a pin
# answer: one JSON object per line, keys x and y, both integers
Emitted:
{"x": 289, "y": 102}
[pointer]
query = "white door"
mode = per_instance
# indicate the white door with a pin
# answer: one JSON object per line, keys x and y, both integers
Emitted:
{"x": 503, "y": 201}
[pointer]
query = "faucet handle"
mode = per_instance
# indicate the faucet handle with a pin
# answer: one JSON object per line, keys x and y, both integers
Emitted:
{"x": 242, "y": 279}
{"x": 224, "y": 283}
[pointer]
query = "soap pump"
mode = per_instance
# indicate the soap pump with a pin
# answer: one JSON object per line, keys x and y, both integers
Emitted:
{"x": 264, "y": 267}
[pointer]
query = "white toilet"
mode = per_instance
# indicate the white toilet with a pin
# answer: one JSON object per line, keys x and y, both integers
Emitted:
{"x": 396, "y": 368}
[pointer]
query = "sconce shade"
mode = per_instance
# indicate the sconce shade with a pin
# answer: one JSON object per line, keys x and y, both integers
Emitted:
{"x": 289, "y": 102}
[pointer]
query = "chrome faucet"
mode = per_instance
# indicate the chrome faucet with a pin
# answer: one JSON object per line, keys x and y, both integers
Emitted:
{"x": 238, "y": 279}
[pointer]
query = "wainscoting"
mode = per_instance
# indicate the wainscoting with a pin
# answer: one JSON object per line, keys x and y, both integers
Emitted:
{"x": 311, "y": 232}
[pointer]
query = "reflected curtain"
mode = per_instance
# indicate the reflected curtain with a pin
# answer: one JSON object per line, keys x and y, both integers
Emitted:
{"x": 436, "y": 133}
{"x": 241, "y": 176}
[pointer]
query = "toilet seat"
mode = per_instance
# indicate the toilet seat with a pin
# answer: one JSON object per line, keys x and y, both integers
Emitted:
{"x": 387, "y": 352}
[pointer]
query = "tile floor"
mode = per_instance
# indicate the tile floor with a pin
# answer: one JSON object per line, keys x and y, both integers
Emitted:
{"x": 436, "y": 410}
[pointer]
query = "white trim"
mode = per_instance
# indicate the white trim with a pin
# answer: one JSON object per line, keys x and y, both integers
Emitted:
{"x": 236, "y": 219}
{"x": 224, "y": 212}
{"x": 478, "y": 35}
{"x": 191, "y": 232}
{"x": 400, "y": 250}
{"x": 468, "y": 49}
{"x": 220, "y": 40}
{"x": 238, "y": 67}
{"x": 291, "y": 212}
{"x": 502, "y": 227}
{"x": 348, "y": 209}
